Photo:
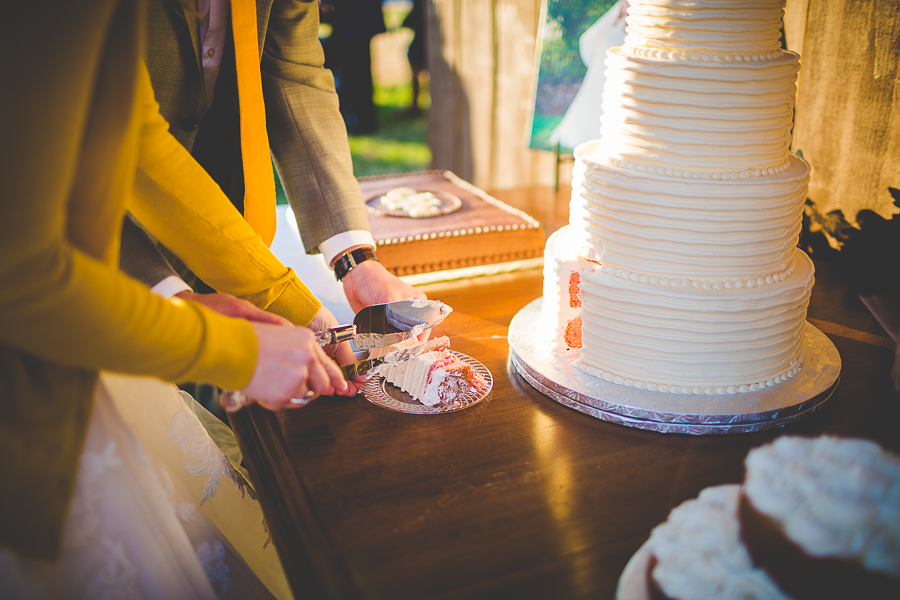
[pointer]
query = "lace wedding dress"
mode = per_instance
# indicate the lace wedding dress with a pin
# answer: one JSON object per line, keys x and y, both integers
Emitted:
{"x": 158, "y": 511}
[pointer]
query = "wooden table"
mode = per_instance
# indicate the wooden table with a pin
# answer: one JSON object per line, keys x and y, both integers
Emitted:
{"x": 518, "y": 496}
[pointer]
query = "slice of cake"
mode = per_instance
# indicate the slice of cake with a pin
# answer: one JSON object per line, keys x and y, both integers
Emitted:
{"x": 561, "y": 309}
{"x": 437, "y": 377}
{"x": 822, "y": 517}
{"x": 697, "y": 553}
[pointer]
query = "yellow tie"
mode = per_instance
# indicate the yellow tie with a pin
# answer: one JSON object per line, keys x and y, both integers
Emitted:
{"x": 259, "y": 183}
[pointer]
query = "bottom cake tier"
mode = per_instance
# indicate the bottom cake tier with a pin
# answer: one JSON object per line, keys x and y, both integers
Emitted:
{"x": 659, "y": 336}
{"x": 557, "y": 376}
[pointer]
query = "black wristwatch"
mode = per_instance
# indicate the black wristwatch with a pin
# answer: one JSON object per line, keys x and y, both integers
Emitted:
{"x": 348, "y": 260}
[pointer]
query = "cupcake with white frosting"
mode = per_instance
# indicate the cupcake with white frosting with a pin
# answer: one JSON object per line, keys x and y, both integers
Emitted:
{"x": 697, "y": 553}
{"x": 822, "y": 517}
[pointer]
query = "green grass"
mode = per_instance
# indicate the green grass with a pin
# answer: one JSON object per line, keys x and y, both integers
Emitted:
{"x": 399, "y": 146}
{"x": 394, "y": 13}
{"x": 541, "y": 129}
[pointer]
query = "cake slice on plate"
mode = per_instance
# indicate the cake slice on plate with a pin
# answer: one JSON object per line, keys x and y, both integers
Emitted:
{"x": 434, "y": 377}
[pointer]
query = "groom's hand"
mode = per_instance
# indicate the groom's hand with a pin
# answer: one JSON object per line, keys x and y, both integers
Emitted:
{"x": 370, "y": 283}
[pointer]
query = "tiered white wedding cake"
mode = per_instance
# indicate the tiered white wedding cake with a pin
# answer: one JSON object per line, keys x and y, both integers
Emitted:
{"x": 680, "y": 263}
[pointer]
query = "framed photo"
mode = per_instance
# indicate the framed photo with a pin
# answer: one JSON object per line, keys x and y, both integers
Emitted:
{"x": 573, "y": 38}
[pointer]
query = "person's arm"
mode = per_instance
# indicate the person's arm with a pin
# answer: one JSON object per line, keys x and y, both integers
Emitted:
{"x": 57, "y": 301}
{"x": 64, "y": 301}
{"x": 307, "y": 135}
{"x": 309, "y": 143}
{"x": 183, "y": 208}
{"x": 186, "y": 211}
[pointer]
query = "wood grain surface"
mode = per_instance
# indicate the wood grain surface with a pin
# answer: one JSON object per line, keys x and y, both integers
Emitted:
{"x": 517, "y": 497}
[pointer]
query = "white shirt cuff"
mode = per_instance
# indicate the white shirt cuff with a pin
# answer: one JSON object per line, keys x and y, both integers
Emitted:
{"x": 170, "y": 286}
{"x": 336, "y": 244}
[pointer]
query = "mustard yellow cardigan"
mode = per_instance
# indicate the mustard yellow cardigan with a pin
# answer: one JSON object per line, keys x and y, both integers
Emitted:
{"x": 82, "y": 141}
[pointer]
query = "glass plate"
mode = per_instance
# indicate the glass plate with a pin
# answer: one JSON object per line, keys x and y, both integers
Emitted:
{"x": 387, "y": 395}
{"x": 449, "y": 204}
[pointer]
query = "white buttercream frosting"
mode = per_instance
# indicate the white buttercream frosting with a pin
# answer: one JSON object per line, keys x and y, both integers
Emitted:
{"x": 700, "y": 555}
{"x": 737, "y": 233}
{"x": 700, "y": 118}
{"x": 689, "y": 207}
{"x": 835, "y": 498}
{"x": 423, "y": 377}
{"x": 703, "y": 341}
{"x": 412, "y": 375}
{"x": 741, "y": 28}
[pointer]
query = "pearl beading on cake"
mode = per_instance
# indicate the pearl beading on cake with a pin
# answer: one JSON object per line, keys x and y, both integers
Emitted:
{"x": 679, "y": 55}
{"x": 627, "y": 165}
{"x": 698, "y": 284}
{"x": 721, "y": 390}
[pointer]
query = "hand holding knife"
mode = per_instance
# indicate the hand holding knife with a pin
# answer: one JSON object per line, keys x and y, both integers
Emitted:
{"x": 376, "y": 326}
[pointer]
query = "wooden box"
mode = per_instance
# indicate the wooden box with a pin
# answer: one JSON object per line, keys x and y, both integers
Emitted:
{"x": 482, "y": 232}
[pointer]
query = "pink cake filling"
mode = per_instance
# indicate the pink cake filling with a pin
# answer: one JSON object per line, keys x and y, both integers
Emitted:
{"x": 450, "y": 379}
{"x": 575, "y": 291}
{"x": 435, "y": 378}
{"x": 573, "y": 333}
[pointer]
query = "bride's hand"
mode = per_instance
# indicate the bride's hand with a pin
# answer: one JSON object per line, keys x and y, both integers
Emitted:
{"x": 290, "y": 364}
{"x": 342, "y": 352}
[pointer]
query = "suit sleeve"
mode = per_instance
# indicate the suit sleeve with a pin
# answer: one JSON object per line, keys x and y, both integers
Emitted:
{"x": 306, "y": 131}
{"x": 183, "y": 208}
{"x": 139, "y": 256}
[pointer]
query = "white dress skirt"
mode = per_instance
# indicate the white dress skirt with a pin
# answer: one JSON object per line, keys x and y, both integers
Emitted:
{"x": 158, "y": 511}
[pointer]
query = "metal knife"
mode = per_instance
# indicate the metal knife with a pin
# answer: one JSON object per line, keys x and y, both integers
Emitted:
{"x": 402, "y": 354}
{"x": 383, "y": 325}
{"x": 233, "y": 401}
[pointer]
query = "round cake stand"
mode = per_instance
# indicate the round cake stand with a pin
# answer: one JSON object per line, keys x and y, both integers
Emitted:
{"x": 558, "y": 377}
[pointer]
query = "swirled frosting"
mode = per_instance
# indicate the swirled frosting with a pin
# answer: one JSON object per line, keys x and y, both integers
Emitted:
{"x": 836, "y": 498}
{"x": 708, "y": 118}
{"x": 702, "y": 88}
{"x": 731, "y": 232}
{"x": 724, "y": 26}
{"x": 694, "y": 341}
{"x": 690, "y": 206}
{"x": 699, "y": 552}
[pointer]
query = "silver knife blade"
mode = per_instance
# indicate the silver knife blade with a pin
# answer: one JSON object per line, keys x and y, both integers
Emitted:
{"x": 391, "y": 357}
{"x": 383, "y": 325}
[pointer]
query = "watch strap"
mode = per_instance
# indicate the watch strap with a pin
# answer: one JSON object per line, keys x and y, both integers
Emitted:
{"x": 347, "y": 261}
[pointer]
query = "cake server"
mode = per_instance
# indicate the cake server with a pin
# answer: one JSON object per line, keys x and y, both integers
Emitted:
{"x": 383, "y": 325}
{"x": 375, "y": 326}
{"x": 234, "y": 401}
{"x": 393, "y": 357}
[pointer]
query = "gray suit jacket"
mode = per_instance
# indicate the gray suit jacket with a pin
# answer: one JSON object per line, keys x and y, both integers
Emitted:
{"x": 307, "y": 135}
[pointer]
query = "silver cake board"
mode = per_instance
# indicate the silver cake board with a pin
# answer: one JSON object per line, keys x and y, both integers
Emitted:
{"x": 558, "y": 377}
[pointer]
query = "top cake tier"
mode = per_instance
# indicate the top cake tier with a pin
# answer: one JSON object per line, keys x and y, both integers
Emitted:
{"x": 701, "y": 89}
{"x": 724, "y": 27}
